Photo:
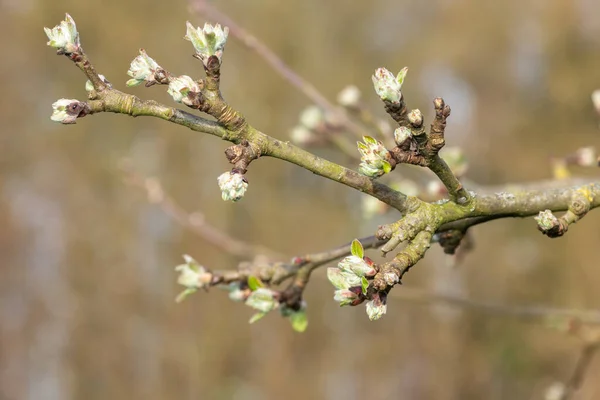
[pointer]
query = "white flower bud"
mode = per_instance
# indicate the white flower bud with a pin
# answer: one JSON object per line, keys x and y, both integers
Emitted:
{"x": 376, "y": 307}
{"x": 387, "y": 86}
{"x": 262, "y": 299}
{"x": 401, "y": 135}
{"x": 142, "y": 68}
{"x": 61, "y": 108}
{"x": 233, "y": 185}
{"x": 345, "y": 297}
{"x": 374, "y": 158}
{"x": 181, "y": 87}
{"x": 311, "y": 117}
{"x": 64, "y": 36}
{"x": 208, "y": 41}
{"x": 349, "y": 96}
{"x": 356, "y": 265}
{"x": 193, "y": 275}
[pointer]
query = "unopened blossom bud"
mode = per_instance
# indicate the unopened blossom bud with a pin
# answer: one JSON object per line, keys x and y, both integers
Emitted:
{"x": 312, "y": 117}
{"x": 180, "y": 89}
{"x": 596, "y": 99}
{"x": 387, "y": 86}
{"x": 64, "y": 36}
{"x": 374, "y": 158}
{"x": 192, "y": 274}
{"x": 345, "y": 297}
{"x": 546, "y": 220}
{"x": 263, "y": 300}
{"x": 143, "y": 68}
{"x": 401, "y": 135}
{"x": 349, "y": 97}
{"x": 341, "y": 279}
{"x": 233, "y": 185}
{"x": 357, "y": 265}
{"x": 376, "y": 307}
{"x": 208, "y": 41}
{"x": 66, "y": 111}
{"x": 415, "y": 117}
{"x": 302, "y": 136}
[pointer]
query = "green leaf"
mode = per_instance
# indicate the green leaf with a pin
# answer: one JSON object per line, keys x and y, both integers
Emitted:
{"x": 402, "y": 75}
{"x": 254, "y": 283}
{"x": 362, "y": 146}
{"x": 357, "y": 249}
{"x": 181, "y": 296}
{"x": 369, "y": 140}
{"x": 256, "y": 317}
{"x": 364, "y": 283}
{"x": 299, "y": 321}
{"x": 387, "y": 167}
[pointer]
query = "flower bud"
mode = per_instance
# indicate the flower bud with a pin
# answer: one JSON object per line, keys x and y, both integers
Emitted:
{"x": 415, "y": 117}
{"x": 64, "y": 36}
{"x": 356, "y": 265}
{"x": 66, "y": 111}
{"x": 208, "y": 41}
{"x": 376, "y": 307}
{"x": 349, "y": 97}
{"x": 374, "y": 158}
{"x": 180, "y": 89}
{"x": 263, "y": 300}
{"x": 345, "y": 297}
{"x": 387, "y": 86}
{"x": 312, "y": 117}
{"x": 233, "y": 185}
{"x": 143, "y": 68}
{"x": 401, "y": 135}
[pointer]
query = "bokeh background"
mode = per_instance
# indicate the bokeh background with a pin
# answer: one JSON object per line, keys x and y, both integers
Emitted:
{"x": 87, "y": 285}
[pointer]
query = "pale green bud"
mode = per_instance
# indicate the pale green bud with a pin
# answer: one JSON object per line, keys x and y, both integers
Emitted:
{"x": 374, "y": 158}
{"x": 207, "y": 41}
{"x": 387, "y": 86}
{"x": 64, "y": 36}
{"x": 263, "y": 300}
{"x": 143, "y": 68}
{"x": 233, "y": 185}
{"x": 181, "y": 87}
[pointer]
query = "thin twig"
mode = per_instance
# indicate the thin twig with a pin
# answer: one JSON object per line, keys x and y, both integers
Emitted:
{"x": 196, "y": 221}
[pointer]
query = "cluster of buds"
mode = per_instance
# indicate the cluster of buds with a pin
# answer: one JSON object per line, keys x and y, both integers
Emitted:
{"x": 185, "y": 90}
{"x": 64, "y": 36}
{"x": 143, "y": 68}
{"x": 374, "y": 157}
{"x": 388, "y": 86}
{"x": 350, "y": 281}
{"x": 208, "y": 41}
{"x": 193, "y": 276}
{"x": 265, "y": 300}
{"x": 233, "y": 185}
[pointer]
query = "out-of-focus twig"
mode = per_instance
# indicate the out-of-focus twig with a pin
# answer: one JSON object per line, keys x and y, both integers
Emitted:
{"x": 195, "y": 221}
{"x": 522, "y": 312}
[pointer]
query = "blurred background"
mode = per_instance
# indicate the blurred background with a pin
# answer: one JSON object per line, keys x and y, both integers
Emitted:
{"x": 87, "y": 284}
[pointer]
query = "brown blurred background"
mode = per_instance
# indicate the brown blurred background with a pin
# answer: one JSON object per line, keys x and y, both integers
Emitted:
{"x": 87, "y": 282}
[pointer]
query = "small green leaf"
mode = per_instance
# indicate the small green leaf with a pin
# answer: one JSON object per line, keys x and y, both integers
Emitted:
{"x": 357, "y": 249}
{"x": 369, "y": 140}
{"x": 254, "y": 283}
{"x": 402, "y": 75}
{"x": 299, "y": 321}
{"x": 364, "y": 283}
{"x": 362, "y": 146}
{"x": 387, "y": 167}
{"x": 256, "y": 317}
{"x": 181, "y": 296}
